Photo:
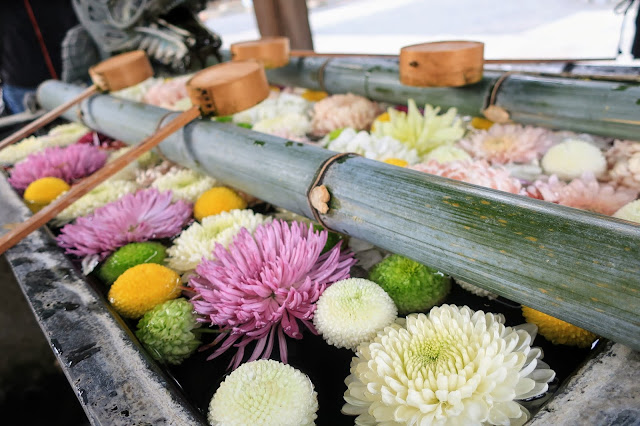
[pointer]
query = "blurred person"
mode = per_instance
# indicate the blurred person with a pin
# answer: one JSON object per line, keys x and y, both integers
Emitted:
{"x": 31, "y": 34}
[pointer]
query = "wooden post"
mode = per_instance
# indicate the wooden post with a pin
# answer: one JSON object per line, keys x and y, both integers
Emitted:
{"x": 288, "y": 18}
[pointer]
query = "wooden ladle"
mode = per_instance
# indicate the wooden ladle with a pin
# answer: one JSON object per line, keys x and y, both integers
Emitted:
{"x": 115, "y": 73}
{"x": 222, "y": 89}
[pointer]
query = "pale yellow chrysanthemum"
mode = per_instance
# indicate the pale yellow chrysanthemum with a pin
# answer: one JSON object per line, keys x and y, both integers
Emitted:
{"x": 422, "y": 132}
{"x": 184, "y": 184}
{"x": 265, "y": 393}
{"x": 573, "y": 157}
{"x": 379, "y": 148}
{"x": 292, "y": 125}
{"x": 109, "y": 191}
{"x": 136, "y": 92}
{"x": 283, "y": 103}
{"x": 453, "y": 366}
{"x": 446, "y": 154}
{"x": 630, "y": 212}
{"x": 352, "y": 311}
{"x": 199, "y": 239}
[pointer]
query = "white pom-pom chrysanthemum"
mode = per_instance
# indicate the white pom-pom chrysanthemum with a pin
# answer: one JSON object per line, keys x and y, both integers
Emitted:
{"x": 478, "y": 291}
{"x": 265, "y": 393}
{"x": 573, "y": 157}
{"x": 292, "y": 125}
{"x": 136, "y": 92}
{"x": 446, "y": 154}
{"x": 109, "y": 191}
{"x": 373, "y": 147}
{"x": 199, "y": 239}
{"x": 352, "y": 311}
{"x": 284, "y": 103}
{"x": 184, "y": 184}
{"x": 453, "y": 366}
{"x": 630, "y": 212}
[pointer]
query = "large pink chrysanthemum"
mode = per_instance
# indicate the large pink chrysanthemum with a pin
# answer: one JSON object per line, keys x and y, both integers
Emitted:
{"x": 584, "y": 193}
{"x": 475, "y": 172}
{"x": 263, "y": 284}
{"x": 68, "y": 163}
{"x": 142, "y": 216}
{"x": 340, "y": 111}
{"x": 508, "y": 143}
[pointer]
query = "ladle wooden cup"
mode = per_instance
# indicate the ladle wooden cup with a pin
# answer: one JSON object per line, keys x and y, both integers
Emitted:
{"x": 221, "y": 89}
{"x": 115, "y": 73}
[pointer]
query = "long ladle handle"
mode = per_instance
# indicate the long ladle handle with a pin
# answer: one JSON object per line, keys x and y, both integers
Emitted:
{"x": 52, "y": 210}
{"x": 47, "y": 118}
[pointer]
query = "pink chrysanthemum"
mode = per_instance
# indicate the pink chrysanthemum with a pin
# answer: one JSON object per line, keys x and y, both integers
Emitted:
{"x": 263, "y": 284}
{"x": 624, "y": 163}
{"x": 167, "y": 93}
{"x": 476, "y": 172}
{"x": 142, "y": 216}
{"x": 340, "y": 111}
{"x": 508, "y": 143}
{"x": 584, "y": 193}
{"x": 68, "y": 163}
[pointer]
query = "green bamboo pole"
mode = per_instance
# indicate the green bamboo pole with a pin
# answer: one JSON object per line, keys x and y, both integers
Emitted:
{"x": 572, "y": 264}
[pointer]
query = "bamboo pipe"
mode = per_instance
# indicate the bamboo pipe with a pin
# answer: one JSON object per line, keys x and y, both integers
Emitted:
{"x": 224, "y": 89}
{"x": 575, "y": 265}
{"x": 115, "y": 73}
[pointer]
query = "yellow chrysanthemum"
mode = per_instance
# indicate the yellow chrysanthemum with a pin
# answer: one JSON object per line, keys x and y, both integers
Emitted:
{"x": 397, "y": 162}
{"x": 217, "y": 200}
{"x": 41, "y": 192}
{"x": 140, "y": 288}
{"x": 314, "y": 95}
{"x": 481, "y": 123}
{"x": 557, "y": 331}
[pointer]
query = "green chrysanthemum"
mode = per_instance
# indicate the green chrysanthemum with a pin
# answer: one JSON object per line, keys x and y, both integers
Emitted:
{"x": 128, "y": 256}
{"x": 412, "y": 286}
{"x": 167, "y": 331}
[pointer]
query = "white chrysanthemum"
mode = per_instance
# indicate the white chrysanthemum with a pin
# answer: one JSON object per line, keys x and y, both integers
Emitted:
{"x": 454, "y": 367}
{"x": 136, "y": 93}
{"x": 422, "y": 132}
{"x": 106, "y": 192}
{"x": 630, "y": 212}
{"x": 352, "y": 311}
{"x": 264, "y": 393}
{"x": 184, "y": 184}
{"x": 283, "y": 104}
{"x": 199, "y": 239}
{"x": 476, "y": 290}
{"x": 289, "y": 125}
{"x": 573, "y": 157}
{"x": 374, "y": 147}
{"x": 62, "y": 135}
{"x": 129, "y": 171}
{"x": 446, "y": 154}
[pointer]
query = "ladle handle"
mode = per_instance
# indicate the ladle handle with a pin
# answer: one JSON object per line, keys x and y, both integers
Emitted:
{"x": 16, "y": 235}
{"x": 47, "y": 118}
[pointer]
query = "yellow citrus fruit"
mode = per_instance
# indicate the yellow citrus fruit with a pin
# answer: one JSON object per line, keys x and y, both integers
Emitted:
{"x": 557, "y": 331}
{"x": 481, "y": 123}
{"x": 217, "y": 200}
{"x": 314, "y": 95}
{"x": 41, "y": 192}
{"x": 140, "y": 288}
{"x": 383, "y": 117}
{"x": 396, "y": 162}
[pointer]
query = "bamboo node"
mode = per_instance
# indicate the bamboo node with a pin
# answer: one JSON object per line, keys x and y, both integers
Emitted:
{"x": 497, "y": 114}
{"x": 319, "y": 197}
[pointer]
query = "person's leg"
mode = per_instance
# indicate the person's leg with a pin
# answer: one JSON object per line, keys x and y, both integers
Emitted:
{"x": 635, "y": 48}
{"x": 13, "y": 97}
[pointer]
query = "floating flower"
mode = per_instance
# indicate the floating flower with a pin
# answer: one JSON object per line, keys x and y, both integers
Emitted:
{"x": 453, "y": 366}
{"x": 474, "y": 289}
{"x": 100, "y": 140}
{"x": 21, "y": 150}
{"x": 292, "y": 125}
{"x": 446, "y": 154}
{"x": 137, "y": 217}
{"x": 43, "y": 191}
{"x": 129, "y": 172}
{"x": 481, "y": 123}
{"x": 413, "y": 286}
{"x": 217, "y": 200}
{"x": 184, "y": 184}
{"x": 379, "y": 148}
{"x": 508, "y": 143}
{"x": 422, "y": 132}
{"x": 584, "y": 193}
{"x": 129, "y": 256}
{"x": 624, "y": 163}
{"x": 338, "y": 111}
{"x": 283, "y": 104}
{"x": 167, "y": 331}
{"x": 144, "y": 178}
{"x": 106, "y": 192}
{"x": 476, "y": 172}
{"x": 264, "y": 284}
{"x": 265, "y": 393}
{"x": 630, "y": 211}
{"x": 142, "y": 287}
{"x": 165, "y": 93}
{"x": 571, "y": 158}
{"x": 199, "y": 240}
{"x": 557, "y": 331}
{"x": 352, "y": 311}
{"x": 314, "y": 95}
{"x": 136, "y": 93}
{"x": 69, "y": 164}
